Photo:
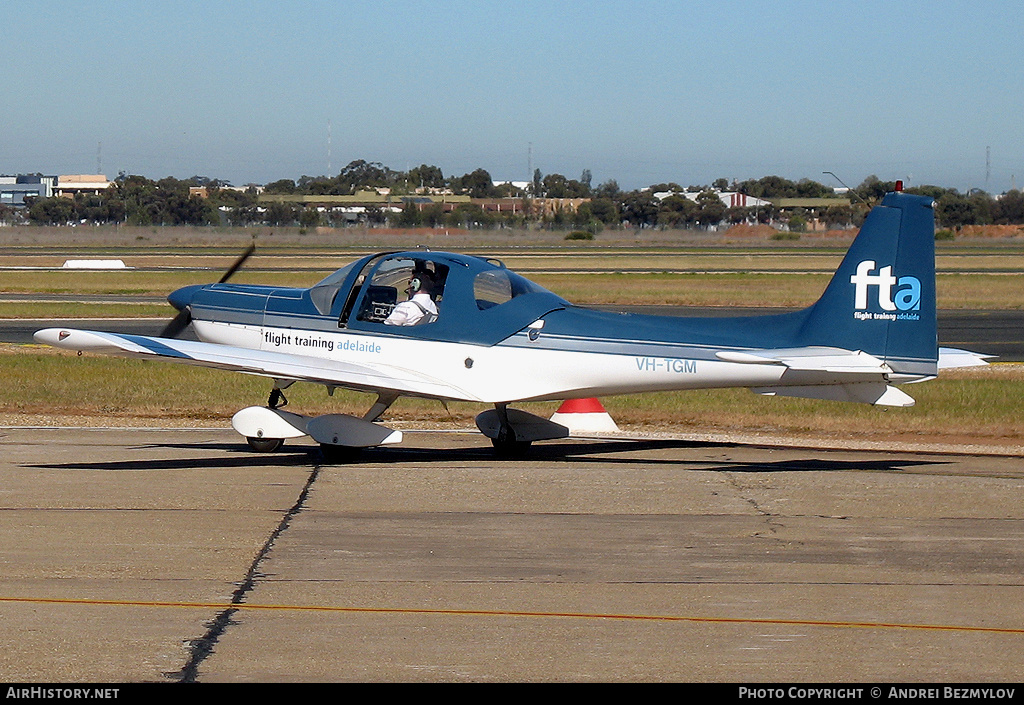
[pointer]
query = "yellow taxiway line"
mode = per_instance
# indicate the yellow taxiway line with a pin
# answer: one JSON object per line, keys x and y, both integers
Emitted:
{"x": 516, "y": 613}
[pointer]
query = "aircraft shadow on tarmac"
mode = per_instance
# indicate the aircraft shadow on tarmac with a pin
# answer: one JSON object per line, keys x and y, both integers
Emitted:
{"x": 618, "y": 452}
{"x": 598, "y": 452}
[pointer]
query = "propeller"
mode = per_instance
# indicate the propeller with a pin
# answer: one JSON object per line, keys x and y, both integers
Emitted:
{"x": 177, "y": 324}
{"x": 180, "y": 322}
{"x": 238, "y": 263}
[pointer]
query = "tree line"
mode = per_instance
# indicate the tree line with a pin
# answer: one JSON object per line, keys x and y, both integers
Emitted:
{"x": 137, "y": 200}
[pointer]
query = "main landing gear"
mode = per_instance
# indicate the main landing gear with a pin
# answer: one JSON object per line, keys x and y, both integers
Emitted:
{"x": 513, "y": 431}
{"x": 340, "y": 436}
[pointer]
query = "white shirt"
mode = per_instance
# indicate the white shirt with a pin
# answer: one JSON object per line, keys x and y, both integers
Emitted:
{"x": 408, "y": 313}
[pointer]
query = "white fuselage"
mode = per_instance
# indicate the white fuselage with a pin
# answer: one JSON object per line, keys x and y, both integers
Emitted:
{"x": 496, "y": 373}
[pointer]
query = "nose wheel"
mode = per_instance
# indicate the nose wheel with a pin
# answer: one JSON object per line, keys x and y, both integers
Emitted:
{"x": 268, "y": 445}
{"x": 264, "y": 445}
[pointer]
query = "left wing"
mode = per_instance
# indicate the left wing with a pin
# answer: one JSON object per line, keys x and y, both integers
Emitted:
{"x": 362, "y": 376}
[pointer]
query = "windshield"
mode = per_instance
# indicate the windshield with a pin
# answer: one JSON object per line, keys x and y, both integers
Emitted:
{"x": 324, "y": 292}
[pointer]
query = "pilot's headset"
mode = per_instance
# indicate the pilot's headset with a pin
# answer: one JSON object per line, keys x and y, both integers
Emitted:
{"x": 420, "y": 282}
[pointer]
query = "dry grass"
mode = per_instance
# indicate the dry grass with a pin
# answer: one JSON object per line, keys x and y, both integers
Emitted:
{"x": 983, "y": 406}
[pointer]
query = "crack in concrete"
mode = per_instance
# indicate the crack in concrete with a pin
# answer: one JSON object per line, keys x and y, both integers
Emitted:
{"x": 772, "y": 520}
{"x": 201, "y": 648}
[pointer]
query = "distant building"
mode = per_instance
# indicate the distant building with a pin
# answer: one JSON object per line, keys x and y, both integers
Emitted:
{"x": 518, "y": 185}
{"x": 70, "y": 184}
{"x": 204, "y": 191}
{"x": 551, "y": 206}
{"x": 501, "y": 205}
{"x": 731, "y": 199}
{"x": 15, "y": 189}
{"x": 741, "y": 200}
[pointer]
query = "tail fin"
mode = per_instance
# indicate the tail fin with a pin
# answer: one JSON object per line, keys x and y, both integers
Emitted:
{"x": 882, "y": 298}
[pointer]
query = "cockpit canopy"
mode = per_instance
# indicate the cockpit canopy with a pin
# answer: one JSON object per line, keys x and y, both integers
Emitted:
{"x": 477, "y": 300}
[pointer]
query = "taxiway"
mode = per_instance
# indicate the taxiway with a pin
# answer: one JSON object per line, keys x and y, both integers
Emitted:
{"x": 166, "y": 555}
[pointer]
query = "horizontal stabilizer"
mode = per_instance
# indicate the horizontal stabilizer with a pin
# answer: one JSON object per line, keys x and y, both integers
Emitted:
{"x": 951, "y": 358}
{"x": 878, "y": 393}
{"x": 811, "y": 359}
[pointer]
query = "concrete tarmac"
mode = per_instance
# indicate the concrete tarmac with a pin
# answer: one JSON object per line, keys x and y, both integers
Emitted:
{"x": 166, "y": 555}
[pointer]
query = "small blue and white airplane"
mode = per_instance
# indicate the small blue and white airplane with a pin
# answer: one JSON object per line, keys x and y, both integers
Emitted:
{"x": 498, "y": 338}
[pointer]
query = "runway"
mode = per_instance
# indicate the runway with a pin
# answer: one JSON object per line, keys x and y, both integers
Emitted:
{"x": 169, "y": 555}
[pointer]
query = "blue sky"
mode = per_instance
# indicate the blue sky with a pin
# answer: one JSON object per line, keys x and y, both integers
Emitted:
{"x": 641, "y": 92}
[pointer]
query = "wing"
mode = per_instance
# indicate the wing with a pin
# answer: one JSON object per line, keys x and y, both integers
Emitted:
{"x": 362, "y": 376}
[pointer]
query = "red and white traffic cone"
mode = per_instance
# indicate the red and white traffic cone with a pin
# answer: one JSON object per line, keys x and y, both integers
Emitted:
{"x": 584, "y": 416}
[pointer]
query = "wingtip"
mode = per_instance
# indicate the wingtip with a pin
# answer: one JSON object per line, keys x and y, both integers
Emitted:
{"x": 51, "y": 336}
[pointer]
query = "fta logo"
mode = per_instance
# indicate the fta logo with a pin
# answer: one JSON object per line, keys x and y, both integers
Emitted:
{"x": 907, "y": 296}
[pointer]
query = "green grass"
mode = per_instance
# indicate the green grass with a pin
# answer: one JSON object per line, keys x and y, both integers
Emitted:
{"x": 40, "y": 310}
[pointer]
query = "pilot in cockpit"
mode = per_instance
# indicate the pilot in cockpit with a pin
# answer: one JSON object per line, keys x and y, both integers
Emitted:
{"x": 420, "y": 308}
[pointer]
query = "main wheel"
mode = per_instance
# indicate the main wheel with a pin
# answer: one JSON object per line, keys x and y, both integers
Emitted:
{"x": 340, "y": 454}
{"x": 510, "y": 449}
{"x": 264, "y": 445}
